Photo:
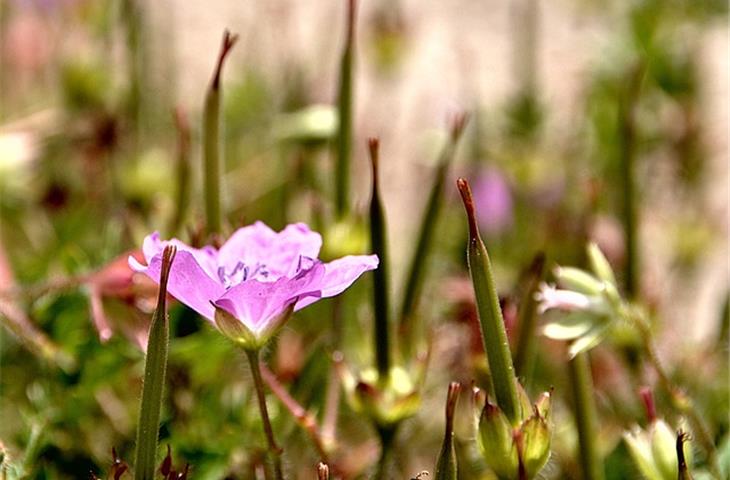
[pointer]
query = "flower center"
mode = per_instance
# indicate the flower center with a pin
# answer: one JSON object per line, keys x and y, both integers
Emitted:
{"x": 242, "y": 272}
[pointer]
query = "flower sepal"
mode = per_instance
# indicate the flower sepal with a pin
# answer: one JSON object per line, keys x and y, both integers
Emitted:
{"x": 506, "y": 448}
{"x": 243, "y": 336}
{"x": 386, "y": 401}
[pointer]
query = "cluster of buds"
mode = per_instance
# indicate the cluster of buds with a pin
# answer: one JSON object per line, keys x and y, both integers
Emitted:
{"x": 590, "y": 299}
{"x": 514, "y": 450}
{"x": 659, "y": 453}
{"x": 514, "y": 435}
{"x": 386, "y": 401}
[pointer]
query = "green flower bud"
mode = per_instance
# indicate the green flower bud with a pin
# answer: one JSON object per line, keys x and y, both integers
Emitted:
{"x": 447, "y": 465}
{"x": 311, "y": 125}
{"x": 345, "y": 237}
{"x": 578, "y": 280}
{"x": 654, "y": 451}
{"x": 385, "y": 401}
{"x": 663, "y": 449}
{"x": 496, "y": 442}
{"x": 535, "y": 444}
{"x": 600, "y": 265}
{"x": 508, "y": 450}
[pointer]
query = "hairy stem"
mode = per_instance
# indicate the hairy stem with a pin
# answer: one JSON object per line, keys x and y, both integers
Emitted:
{"x": 585, "y": 416}
{"x": 274, "y": 449}
{"x": 303, "y": 417}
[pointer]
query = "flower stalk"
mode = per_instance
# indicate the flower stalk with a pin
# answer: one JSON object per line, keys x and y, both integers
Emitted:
{"x": 274, "y": 451}
{"x": 154, "y": 378}
{"x": 494, "y": 335}
{"x": 303, "y": 417}
{"x": 585, "y": 416}
{"x": 387, "y": 439}
{"x": 417, "y": 270}
{"x": 378, "y": 241}
{"x": 526, "y": 341}
{"x": 212, "y": 141}
{"x": 182, "y": 195}
{"x": 344, "y": 108}
{"x": 629, "y": 213}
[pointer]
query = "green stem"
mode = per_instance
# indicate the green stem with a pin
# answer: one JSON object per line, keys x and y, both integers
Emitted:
{"x": 629, "y": 214}
{"x": 332, "y": 399}
{"x": 182, "y": 199}
{"x": 417, "y": 270}
{"x": 345, "y": 107}
{"x": 526, "y": 341}
{"x": 303, "y": 417}
{"x": 381, "y": 274}
{"x": 274, "y": 449}
{"x": 387, "y": 440}
{"x": 132, "y": 15}
{"x": 494, "y": 335}
{"x": 32, "y": 449}
{"x": 154, "y": 379}
{"x": 212, "y": 162}
{"x": 585, "y": 417}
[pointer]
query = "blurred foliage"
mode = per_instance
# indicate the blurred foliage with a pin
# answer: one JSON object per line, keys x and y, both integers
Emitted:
{"x": 87, "y": 162}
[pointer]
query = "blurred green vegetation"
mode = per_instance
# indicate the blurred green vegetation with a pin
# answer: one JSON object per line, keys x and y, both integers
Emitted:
{"x": 88, "y": 149}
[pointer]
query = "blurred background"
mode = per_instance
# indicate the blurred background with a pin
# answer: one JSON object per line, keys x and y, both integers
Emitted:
{"x": 100, "y": 117}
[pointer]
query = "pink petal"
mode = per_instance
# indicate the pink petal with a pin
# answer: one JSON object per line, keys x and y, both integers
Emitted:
{"x": 189, "y": 282}
{"x": 206, "y": 257}
{"x": 258, "y": 244}
{"x": 340, "y": 274}
{"x": 257, "y": 303}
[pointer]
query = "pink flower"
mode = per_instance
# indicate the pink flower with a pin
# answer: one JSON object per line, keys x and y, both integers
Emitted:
{"x": 251, "y": 285}
{"x": 494, "y": 203}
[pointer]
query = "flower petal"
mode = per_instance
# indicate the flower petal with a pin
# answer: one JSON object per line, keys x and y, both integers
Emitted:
{"x": 339, "y": 275}
{"x": 206, "y": 257}
{"x": 258, "y": 244}
{"x": 189, "y": 282}
{"x": 256, "y": 304}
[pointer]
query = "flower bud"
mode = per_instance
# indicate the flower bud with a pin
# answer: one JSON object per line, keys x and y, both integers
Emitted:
{"x": 536, "y": 444}
{"x": 385, "y": 401}
{"x": 312, "y": 125}
{"x": 663, "y": 449}
{"x": 509, "y": 450}
{"x": 578, "y": 280}
{"x": 654, "y": 451}
{"x": 496, "y": 442}
{"x": 600, "y": 265}
{"x": 447, "y": 465}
